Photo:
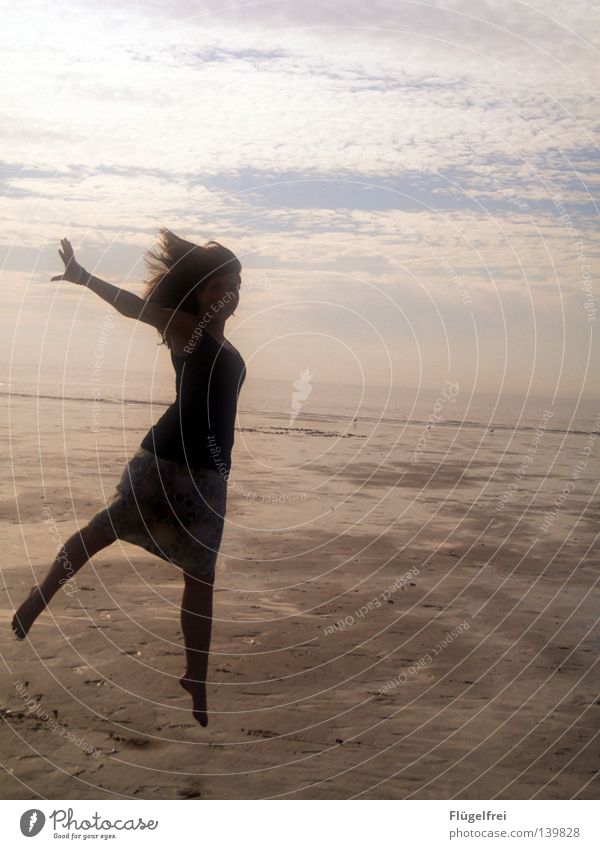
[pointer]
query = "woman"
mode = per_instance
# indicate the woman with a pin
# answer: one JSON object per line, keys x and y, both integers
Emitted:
{"x": 171, "y": 498}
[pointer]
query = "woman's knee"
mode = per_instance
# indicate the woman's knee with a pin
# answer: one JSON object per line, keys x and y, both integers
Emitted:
{"x": 94, "y": 539}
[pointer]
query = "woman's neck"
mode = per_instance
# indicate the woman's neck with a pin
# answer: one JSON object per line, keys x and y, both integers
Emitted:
{"x": 215, "y": 329}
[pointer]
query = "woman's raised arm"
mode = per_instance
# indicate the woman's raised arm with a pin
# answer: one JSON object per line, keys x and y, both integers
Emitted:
{"x": 171, "y": 323}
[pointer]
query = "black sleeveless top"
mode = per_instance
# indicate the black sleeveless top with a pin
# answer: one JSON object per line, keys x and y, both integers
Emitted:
{"x": 197, "y": 430}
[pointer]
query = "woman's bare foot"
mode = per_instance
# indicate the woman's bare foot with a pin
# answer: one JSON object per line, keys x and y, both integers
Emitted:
{"x": 28, "y": 612}
{"x": 197, "y": 690}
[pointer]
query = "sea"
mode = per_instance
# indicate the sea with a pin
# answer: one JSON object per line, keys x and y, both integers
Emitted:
{"x": 305, "y": 400}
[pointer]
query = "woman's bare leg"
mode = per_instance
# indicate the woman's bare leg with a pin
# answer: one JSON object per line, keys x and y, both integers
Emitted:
{"x": 196, "y": 624}
{"x": 72, "y": 556}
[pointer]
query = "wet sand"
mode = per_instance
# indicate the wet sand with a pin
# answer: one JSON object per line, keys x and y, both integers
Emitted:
{"x": 381, "y": 631}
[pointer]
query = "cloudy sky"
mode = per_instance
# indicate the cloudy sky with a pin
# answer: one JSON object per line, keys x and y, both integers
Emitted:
{"x": 411, "y": 187}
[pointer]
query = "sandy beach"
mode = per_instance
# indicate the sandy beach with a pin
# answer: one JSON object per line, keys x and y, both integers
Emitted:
{"x": 383, "y": 627}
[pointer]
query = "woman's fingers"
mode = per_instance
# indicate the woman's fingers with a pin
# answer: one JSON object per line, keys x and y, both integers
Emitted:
{"x": 67, "y": 248}
{"x": 68, "y": 257}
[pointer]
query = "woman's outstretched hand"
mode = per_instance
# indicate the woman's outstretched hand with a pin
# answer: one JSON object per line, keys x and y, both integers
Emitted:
{"x": 73, "y": 271}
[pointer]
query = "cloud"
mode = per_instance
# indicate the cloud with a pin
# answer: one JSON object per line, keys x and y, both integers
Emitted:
{"x": 416, "y": 146}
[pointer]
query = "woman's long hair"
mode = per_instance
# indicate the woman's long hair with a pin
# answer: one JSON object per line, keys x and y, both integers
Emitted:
{"x": 177, "y": 269}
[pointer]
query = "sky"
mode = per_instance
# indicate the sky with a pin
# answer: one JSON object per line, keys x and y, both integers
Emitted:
{"x": 411, "y": 187}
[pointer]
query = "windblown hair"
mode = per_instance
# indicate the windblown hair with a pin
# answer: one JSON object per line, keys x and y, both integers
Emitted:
{"x": 177, "y": 269}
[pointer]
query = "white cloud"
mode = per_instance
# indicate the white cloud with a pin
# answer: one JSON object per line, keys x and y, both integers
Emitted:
{"x": 127, "y": 117}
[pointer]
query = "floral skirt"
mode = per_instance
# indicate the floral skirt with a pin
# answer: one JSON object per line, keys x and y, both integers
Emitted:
{"x": 170, "y": 510}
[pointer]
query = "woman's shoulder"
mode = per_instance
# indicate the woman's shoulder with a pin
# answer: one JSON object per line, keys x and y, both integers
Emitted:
{"x": 186, "y": 339}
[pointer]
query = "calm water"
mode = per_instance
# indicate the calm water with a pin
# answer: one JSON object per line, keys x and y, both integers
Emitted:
{"x": 321, "y": 404}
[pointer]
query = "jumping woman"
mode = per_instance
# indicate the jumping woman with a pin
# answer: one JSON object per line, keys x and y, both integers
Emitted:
{"x": 171, "y": 498}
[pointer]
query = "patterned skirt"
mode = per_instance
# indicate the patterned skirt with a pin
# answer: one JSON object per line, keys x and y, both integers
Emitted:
{"x": 170, "y": 510}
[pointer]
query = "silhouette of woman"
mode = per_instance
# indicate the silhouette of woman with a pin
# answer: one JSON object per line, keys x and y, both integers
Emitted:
{"x": 172, "y": 496}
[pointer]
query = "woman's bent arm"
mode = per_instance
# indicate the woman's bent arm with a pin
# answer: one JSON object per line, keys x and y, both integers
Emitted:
{"x": 175, "y": 326}
{"x": 128, "y": 304}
